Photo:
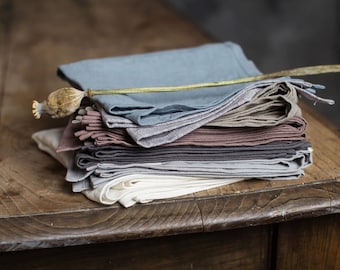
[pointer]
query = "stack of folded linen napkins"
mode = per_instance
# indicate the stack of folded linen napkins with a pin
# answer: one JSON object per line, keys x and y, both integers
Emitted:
{"x": 140, "y": 147}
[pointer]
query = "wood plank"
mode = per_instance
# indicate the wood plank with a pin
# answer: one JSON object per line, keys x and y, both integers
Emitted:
{"x": 5, "y": 29}
{"x": 37, "y": 208}
{"x": 269, "y": 206}
{"x": 248, "y": 248}
{"x": 34, "y": 181}
{"x": 309, "y": 244}
{"x": 79, "y": 227}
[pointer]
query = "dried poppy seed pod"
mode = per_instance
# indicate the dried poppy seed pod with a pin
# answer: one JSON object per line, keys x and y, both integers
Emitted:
{"x": 60, "y": 103}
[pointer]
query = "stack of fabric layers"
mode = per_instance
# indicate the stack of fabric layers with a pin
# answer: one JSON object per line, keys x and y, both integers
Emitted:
{"x": 141, "y": 147}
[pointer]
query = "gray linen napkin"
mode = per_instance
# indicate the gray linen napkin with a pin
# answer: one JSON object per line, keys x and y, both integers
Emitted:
{"x": 275, "y": 160}
{"x": 121, "y": 155}
{"x": 206, "y": 63}
{"x": 273, "y": 168}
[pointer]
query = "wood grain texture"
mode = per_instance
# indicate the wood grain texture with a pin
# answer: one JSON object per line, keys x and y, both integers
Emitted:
{"x": 269, "y": 206}
{"x": 104, "y": 224}
{"x": 5, "y": 24}
{"x": 218, "y": 250}
{"x": 309, "y": 244}
{"x": 37, "y": 208}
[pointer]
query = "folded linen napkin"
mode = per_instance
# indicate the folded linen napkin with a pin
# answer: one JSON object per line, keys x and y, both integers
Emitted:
{"x": 271, "y": 169}
{"x": 274, "y": 161}
{"x": 129, "y": 155}
{"x": 156, "y": 135}
{"x": 91, "y": 130}
{"x": 119, "y": 172}
{"x": 274, "y": 104}
{"x": 271, "y": 106}
{"x": 130, "y": 189}
{"x": 146, "y": 188}
{"x": 194, "y": 108}
{"x": 48, "y": 141}
{"x": 206, "y": 63}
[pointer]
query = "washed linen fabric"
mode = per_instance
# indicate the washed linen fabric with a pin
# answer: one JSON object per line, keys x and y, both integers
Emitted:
{"x": 91, "y": 130}
{"x": 129, "y": 155}
{"x": 48, "y": 141}
{"x": 270, "y": 106}
{"x": 151, "y": 187}
{"x": 155, "y": 135}
{"x": 274, "y": 104}
{"x": 278, "y": 160}
{"x": 141, "y": 188}
{"x": 271, "y": 169}
{"x": 179, "y": 112}
{"x": 172, "y": 130}
{"x": 131, "y": 189}
{"x": 206, "y": 63}
{"x": 141, "y": 147}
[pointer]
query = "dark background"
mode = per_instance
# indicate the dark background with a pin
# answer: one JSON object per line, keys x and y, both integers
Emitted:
{"x": 277, "y": 34}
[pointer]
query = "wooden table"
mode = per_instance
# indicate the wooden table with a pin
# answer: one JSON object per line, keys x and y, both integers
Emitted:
{"x": 249, "y": 225}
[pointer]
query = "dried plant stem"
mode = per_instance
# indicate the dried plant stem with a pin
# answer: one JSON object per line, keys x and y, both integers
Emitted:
{"x": 302, "y": 71}
{"x": 65, "y": 101}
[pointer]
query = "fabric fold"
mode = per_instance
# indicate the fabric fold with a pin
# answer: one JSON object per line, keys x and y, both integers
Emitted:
{"x": 206, "y": 63}
{"x": 270, "y": 161}
{"x": 130, "y": 189}
{"x": 91, "y": 134}
{"x": 136, "y": 148}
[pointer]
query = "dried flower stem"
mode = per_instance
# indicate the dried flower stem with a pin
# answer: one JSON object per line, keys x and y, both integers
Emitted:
{"x": 302, "y": 71}
{"x": 65, "y": 101}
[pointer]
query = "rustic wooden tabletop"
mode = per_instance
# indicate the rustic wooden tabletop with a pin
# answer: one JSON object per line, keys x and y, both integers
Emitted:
{"x": 37, "y": 207}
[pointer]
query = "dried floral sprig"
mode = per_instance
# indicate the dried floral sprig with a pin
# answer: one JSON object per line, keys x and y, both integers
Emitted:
{"x": 60, "y": 103}
{"x": 65, "y": 101}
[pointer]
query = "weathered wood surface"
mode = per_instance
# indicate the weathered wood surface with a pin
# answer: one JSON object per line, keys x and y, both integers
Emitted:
{"x": 217, "y": 250}
{"x": 309, "y": 244}
{"x": 37, "y": 208}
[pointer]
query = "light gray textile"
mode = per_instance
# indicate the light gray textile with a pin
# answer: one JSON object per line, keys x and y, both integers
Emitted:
{"x": 121, "y": 155}
{"x": 276, "y": 160}
{"x": 279, "y": 169}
